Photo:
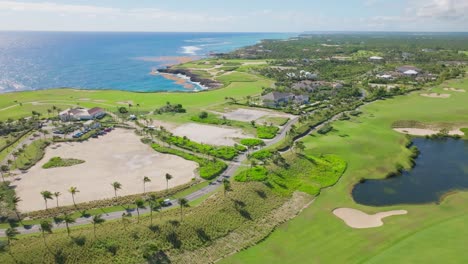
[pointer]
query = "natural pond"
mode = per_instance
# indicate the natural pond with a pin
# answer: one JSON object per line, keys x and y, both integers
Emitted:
{"x": 441, "y": 167}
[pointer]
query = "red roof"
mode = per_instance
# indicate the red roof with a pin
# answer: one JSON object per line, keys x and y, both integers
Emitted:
{"x": 95, "y": 110}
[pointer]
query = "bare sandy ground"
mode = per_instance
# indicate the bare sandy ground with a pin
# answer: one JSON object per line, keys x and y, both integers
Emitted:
{"x": 455, "y": 90}
{"x": 212, "y": 135}
{"x": 358, "y": 219}
{"x": 436, "y": 95}
{"x": 426, "y": 132}
{"x": 247, "y": 115}
{"x": 117, "y": 156}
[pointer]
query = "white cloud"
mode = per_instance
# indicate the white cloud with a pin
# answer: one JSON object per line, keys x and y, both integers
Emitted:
{"x": 443, "y": 9}
{"x": 55, "y": 8}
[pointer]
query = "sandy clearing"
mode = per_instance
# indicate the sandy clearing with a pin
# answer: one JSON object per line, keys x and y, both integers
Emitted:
{"x": 255, "y": 63}
{"x": 426, "y": 132}
{"x": 455, "y": 90}
{"x": 247, "y": 115}
{"x": 436, "y": 95}
{"x": 358, "y": 219}
{"x": 118, "y": 156}
{"x": 212, "y": 135}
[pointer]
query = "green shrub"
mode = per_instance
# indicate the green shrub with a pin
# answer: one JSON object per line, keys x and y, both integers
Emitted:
{"x": 252, "y": 142}
{"x": 262, "y": 155}
{"x": 222, "y": 152}
{"x": 325, "y": 129}
{"x": 267, "y": 132}
{"x": 56, "y": 162}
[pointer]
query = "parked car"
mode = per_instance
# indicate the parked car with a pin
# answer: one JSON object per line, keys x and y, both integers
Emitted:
{"x": 167, "y": 202}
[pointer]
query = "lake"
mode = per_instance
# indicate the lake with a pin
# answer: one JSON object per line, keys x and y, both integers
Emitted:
{"x": 441, "y": 167}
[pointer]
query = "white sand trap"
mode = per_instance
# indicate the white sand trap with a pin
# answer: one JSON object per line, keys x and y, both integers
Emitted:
{"x": 455, "y": 90}
{"x": 117, "y": 156}
{"x": 426, "y": 132}
{"x": 436, "y": 95}
{"x": 358, "y": 219}
{"x": 212, "y": 135}
{"x": 247, "y": 115}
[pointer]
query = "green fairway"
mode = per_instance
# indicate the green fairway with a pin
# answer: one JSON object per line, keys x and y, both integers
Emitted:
{"x": 428, "y": 234}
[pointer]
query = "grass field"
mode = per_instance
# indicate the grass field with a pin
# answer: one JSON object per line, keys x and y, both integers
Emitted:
{"x": 428, "y": 234}
{"x": 20, "y": 104}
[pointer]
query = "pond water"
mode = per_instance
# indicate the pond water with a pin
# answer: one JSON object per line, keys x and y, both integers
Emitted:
{"x": 441, "y": 167}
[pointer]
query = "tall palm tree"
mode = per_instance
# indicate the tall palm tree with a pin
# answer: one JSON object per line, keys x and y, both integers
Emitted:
{"x": 97, "y": 219}
{"x": 299, "y": 145}
{"x": 46, "y": 195}
{"x": 45, "y": 227}
{"x": 154, "y": 205}
{"x": 73, "y": 191}
{"x": 183, "y": 203}
{"x": 68, "y": 219}
{"x": 4, "y": 169}
{"x": 57, "y": 194}
{"x": 140, "y": 204}
{"x": 168, "y": 178}
{"x": 15, "y": 200}
{"x": 226, "y": 186}
{"x": 145, "y": 180}
{"x": 116, "y": 186}
{"x": 11, "y": 234}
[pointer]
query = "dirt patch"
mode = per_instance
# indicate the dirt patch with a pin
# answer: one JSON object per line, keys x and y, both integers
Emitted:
{"x": 426, "y": 132}
{"x": 357, "y": 219}
{"x": 455, "y": 90}
{"x": 436, "y": 95}
{"x": 117, "y": 156}
{"x": 212, "y": 135}
{"x": 125, "y": 102}
{"x": 247, "y": 115}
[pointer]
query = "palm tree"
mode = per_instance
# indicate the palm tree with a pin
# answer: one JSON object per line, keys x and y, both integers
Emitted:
{"x": 97, "y": 219}
{"x": 145, "y": 180}
{"x": 15, "y": 200}
{"x": 11, "y": 234}
{"x": 4, "y": 169}
{"x": 46, "y": 195}
{"x": 116, "y": 186}
{"x": 140, "y": 204}
{"x": 68, "y": 219}
{"x": 299, "y": 145}
{"x": 154, "y": 205}
{"x": 73, "y": 191}
{"x": 183, "y": 203}
{"x": 45, "y": 227}
{"x": 57, "y": 194}
{"x": 227, "y": 186}
{"x": 168, "y": 178}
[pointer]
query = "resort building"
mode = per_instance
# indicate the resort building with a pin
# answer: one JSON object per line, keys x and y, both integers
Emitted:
{"x": 275, "y": 99}
{"x": 408, "y": 70}
{"x": 376, "y": 59}
{"x": 80, "y": 114}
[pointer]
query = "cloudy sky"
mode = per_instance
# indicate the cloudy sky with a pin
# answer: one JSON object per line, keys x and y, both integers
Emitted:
{"x": 235, "y": 15}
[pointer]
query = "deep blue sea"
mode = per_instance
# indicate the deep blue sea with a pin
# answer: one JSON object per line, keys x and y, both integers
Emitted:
{"x": 121, "y": 61}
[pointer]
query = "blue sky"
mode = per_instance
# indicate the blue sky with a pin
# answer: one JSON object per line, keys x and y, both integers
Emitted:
{"x": 235, "y": 16}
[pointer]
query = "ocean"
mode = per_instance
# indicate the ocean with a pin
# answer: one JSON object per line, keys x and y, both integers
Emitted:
{"x": 97, "y": 60}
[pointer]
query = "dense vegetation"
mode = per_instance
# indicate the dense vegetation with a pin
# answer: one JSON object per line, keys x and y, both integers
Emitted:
{"x": 56, "y": 162}
{"x": 267, "y": 132}
{"x": 252, "y": 142}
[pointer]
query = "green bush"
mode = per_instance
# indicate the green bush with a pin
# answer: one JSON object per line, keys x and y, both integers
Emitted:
{"x": 262, "y": 155}
{"x": 56, "y": 162}
{"x": 325, "y": 129}
{"x": 252, "y": 142}
{"x": 209, "y": 169}
{"x": 267, "y": 132}
{"x": 222, "y": 152}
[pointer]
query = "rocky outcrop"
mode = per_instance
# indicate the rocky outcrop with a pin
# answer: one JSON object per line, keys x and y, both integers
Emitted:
{"x": 209, "y": 83}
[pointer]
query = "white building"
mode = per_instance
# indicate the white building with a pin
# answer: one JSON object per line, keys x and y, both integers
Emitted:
{"x": 79, "y": 114}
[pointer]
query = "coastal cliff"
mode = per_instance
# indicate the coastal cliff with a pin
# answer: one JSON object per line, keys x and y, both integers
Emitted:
{"x": 209, "y": 83}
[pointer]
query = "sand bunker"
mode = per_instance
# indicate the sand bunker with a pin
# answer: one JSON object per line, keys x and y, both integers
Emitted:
{"x": 210, "y": 134}
{"x": 455, "y": 90}
{"x": 247, "y": 115}
{"x": 117, "y": 156}
{"x": 426, "y": 132}
{"x": 436, "y": 95}
{"x": 358, "y": 219}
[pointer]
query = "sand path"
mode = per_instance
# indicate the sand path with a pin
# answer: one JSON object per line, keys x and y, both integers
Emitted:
{"x": 426, "y": 132}
{"x": 436, "y": 95}
{"x": 358, "y": 219}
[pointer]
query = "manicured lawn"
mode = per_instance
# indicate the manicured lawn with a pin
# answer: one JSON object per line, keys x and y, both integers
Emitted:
{"x": 428, "y": 234}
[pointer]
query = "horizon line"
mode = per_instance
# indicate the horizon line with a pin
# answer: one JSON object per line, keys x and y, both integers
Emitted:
{"x": 233, "y": 32}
